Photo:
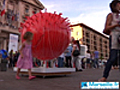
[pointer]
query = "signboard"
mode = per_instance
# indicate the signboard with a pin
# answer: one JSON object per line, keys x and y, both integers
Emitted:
{"x": 100, "y": 85}
{"x": 83, "y": 50}
{"x": 13, "y": 42}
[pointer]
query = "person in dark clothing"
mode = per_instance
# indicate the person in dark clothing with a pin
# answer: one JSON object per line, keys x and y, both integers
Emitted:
{"x": 11, "y": 58}
{"x": 16, "y": 55}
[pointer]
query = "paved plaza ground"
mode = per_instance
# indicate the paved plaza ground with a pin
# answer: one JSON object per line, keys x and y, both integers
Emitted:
{"x": 69, "y": 82}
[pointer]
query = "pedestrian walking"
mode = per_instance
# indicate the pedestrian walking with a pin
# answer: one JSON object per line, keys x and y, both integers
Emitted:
{"x": 68, "y": 57}
{"x": 16, "y": 55}
{"x": 11, "y": 58}
{"x": 112, "y": 28}
{"x": 88, "y": 56}
{"x": 92, "y": 60}
{"x": 75, "y": 55}
{"x": 25, "y": 59}
{"x": 96, "y": 58}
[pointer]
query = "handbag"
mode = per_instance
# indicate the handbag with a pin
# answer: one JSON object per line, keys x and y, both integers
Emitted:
{"x": 76, "y": 53}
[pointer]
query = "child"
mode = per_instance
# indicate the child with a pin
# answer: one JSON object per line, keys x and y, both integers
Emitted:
{"x": 25, "y": 58}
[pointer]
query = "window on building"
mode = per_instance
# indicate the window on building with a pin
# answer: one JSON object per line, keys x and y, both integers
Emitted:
{"x": 11, "y": 1}
{"x": 100, "y": 39}
{"x": 87, "y": 40}
{"x": 95, "y": 43}
{"x": 91, "y": 42}
{"x": 87, "y": 34}
{"x": 94, "y": 37}
{"x": 106, "y": 55}
{"x": 106, "y": 50}
{"x": 35, "y": 10}
{"x": 105, "y": 42}
{"x": 101, "y": 54}
{"x": 26, "y": 10}
{"x": 83, "y": 32}
{"x": 106, "y": 46}
{"x": 77, "y": 33}
{"x": 83, "y": 38}
{"x": 27, "y": 6}
{"x": 95, "y": 47}
{"x": 92, "y": 47}
{"x": 101, "y": 45}
{"x": 91, "y": 35}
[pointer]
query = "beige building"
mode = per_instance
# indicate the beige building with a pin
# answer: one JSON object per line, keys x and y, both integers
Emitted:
{"x": 92, "y": 38}
{"x": 15, "y": 12}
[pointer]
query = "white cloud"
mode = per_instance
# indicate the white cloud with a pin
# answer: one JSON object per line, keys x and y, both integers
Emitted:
{"x": 95, "y": 20}
{"x": 50, "y": 7}
{"x": 90, "y": 15}
{"x": 60, "y": 6}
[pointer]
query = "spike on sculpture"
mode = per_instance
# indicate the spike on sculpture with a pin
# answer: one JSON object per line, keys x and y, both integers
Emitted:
{"x": 51, "y": 34}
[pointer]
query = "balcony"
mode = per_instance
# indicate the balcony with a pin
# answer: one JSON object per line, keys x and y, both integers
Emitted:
{"x": 9, "y": 29}
{"x": 3, "y": 35}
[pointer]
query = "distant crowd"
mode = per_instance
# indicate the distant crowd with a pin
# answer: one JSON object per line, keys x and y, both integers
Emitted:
{"x": 69, "y": 58}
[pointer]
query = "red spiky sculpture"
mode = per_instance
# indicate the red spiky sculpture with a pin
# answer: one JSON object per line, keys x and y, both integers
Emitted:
{"x": 51, "y": 34}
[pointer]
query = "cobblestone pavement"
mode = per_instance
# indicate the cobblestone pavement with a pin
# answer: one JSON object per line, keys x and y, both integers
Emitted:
{"x": 69, "y": 82}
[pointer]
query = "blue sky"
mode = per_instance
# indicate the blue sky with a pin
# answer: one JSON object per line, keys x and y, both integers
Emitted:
{"x": 90, "y": 12}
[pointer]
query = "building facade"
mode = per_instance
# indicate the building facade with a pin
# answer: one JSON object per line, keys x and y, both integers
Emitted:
{"x": 15, "y": 13}
{"x": 92, "y": 38}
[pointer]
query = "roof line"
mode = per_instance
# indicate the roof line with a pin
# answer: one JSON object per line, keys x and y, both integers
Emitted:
{"x": 42, "y": 7}
{"x": 82, "y": 24}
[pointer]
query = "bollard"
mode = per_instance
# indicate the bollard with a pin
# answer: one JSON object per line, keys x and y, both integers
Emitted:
{"x": 3, "y": 65}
